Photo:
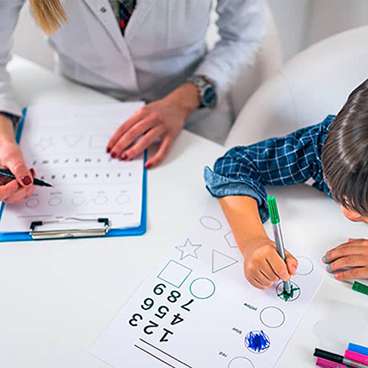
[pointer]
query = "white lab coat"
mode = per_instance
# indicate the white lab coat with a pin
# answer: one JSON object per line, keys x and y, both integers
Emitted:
{"x": 164, "y": 44}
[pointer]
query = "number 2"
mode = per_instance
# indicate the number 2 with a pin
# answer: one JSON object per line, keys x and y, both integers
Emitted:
{"x": 148, "y": 329}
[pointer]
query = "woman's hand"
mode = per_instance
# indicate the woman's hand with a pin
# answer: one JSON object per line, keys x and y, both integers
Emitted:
{"x": 263, "y": 266}
{"x": 158, "y": 121}
{"x": 348, "y": 261}
{"x": 11, "y": 158}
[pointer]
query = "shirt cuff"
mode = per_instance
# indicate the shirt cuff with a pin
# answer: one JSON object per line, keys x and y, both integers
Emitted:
{"x": 220, "y": 186}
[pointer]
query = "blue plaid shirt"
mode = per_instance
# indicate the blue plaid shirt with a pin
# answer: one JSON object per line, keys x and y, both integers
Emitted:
{"x": 287, "y": 160}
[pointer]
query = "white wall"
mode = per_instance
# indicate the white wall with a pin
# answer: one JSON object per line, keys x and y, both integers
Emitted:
{"x": 304, "y": 22}
{"x": 291, "y": 18}
{"x": 30, "y": 42}
{"x": 300, "y": 23}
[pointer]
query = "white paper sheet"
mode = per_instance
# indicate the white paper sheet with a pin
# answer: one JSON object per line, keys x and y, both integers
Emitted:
{"x": 197, "y": 309}
{"x": 67, "y": 148}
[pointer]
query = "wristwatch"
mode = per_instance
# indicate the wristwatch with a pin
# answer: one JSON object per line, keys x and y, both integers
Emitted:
{"x": 206, "y": 89}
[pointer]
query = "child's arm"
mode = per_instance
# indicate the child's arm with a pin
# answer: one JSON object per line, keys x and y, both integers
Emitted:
{"x": 262, "y": 264}
{"x": 239, "y": 179}
{"x": 349, "y": 261}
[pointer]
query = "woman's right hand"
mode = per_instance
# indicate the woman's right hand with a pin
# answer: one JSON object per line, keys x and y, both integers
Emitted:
{"x": 11, "y": 158}
{"x": 263, "y": 266}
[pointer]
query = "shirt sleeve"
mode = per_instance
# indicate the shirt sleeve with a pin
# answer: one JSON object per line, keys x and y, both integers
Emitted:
{"x": 245, "y": 171}
{"x": 241, "y": 26}
{"x": 9, "y": 13}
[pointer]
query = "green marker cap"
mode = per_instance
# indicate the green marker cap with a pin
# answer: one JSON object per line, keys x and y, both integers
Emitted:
{"x": 272, "y": 209}
{"x": 360, "y": 288}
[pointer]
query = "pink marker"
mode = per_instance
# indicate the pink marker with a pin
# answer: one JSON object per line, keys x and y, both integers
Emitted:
{"x": 356, "y": 357}
{"x": 324, "y": 363}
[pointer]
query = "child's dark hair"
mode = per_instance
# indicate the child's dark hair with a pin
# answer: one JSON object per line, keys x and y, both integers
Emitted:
{"x": 345, "y": 153}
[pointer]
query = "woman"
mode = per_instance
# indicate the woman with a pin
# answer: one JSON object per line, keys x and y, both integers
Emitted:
{"x": 153, "y": 50}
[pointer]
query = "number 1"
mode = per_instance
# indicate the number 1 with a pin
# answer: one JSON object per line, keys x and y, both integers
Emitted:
{"x": 165, "y": 335}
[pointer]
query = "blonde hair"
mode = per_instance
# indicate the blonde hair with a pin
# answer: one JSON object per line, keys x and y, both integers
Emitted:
{"x": 49, "y": 14}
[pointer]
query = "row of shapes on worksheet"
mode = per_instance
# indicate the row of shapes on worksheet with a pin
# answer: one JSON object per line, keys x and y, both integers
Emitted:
{"x": 227, "y": 255}
{"x": 77, "y": 199}
{"x": 76, "y": 176}
{"x": 75, "y": 141}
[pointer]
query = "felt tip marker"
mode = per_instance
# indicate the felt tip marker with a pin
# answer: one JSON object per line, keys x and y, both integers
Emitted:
{"x": 6, "y": 177}
{"x": 279, "y": 240}
{"x": 356, "y": 357}
{"x": 358, "y": 348}
{"x": 359, "y": 287}
{"x": 324, "y": 363}
{"x": 338, "y": 359}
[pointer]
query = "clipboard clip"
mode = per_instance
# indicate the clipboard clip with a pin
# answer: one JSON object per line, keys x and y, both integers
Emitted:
{"x": 102, "y": 229}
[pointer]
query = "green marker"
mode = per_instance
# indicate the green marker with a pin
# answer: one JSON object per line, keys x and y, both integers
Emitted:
{"x": 275, "y": 220}
{"x": 360, "y": 287}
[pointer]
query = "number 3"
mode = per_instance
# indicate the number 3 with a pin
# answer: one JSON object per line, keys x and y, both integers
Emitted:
{"x": 135, "y": 319}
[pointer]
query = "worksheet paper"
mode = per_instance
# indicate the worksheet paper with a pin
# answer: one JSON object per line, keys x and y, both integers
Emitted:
{"x": 66, "y": 145}
{"x": 197, "y": 309}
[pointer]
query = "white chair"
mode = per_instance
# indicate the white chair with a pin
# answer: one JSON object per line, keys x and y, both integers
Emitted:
{"x": 313, "y": 84}
{"x": 34, "y": 47}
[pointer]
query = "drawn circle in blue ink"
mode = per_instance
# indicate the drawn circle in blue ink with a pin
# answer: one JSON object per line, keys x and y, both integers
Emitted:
{"x": 202, "y": 288}
{"x": 257, "y": 341}
{"x": 210, "y": 223}
{"x": 240, "y": 362}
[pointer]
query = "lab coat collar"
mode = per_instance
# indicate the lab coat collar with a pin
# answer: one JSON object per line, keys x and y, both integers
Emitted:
{"x": 104, "y": 13}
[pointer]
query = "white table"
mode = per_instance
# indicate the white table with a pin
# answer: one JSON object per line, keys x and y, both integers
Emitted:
{"x": 56, "y": 297}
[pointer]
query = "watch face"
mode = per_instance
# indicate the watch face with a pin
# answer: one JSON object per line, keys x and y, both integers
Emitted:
{"x": 209, "y": 96}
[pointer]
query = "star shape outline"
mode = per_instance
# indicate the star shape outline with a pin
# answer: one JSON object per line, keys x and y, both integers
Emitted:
{"x": 191, "y": 253}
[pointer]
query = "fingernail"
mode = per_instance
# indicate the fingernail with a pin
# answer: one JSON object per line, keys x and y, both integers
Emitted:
{"x": 113, "y": 155}
{"x": 324, "y": 259}
{"x": 329, "y": 268}
{"x": 27, "y": 180}
{"x": 124, "y": 156}
{"x": 148, "y": 166}
{"x": 108, "y": 149}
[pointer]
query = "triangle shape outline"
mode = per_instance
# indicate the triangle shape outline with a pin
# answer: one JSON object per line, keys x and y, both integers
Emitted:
{"x": 225, "y": 256}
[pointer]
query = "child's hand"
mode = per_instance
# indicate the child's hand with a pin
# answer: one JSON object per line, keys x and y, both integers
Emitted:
{"x": 349, "y": 261}
{"x": 263, "y": 265}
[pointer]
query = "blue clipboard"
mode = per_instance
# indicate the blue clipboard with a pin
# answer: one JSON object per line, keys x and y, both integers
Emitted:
{"x": 136, "y": 231}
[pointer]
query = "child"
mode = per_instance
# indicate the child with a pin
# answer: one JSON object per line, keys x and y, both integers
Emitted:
{"x": 333, "y": 153}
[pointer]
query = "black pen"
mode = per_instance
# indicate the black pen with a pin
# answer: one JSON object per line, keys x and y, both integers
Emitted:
{"x": 6, "y": 176}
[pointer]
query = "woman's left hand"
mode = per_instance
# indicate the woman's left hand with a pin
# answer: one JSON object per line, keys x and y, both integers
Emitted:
{"x": 161, "y": 120}
{"x": 349, "y": 261}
